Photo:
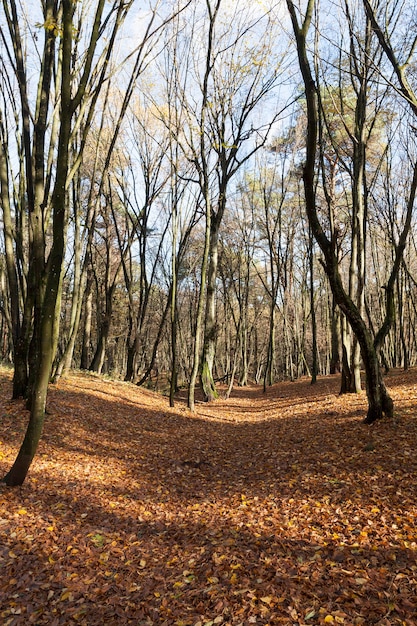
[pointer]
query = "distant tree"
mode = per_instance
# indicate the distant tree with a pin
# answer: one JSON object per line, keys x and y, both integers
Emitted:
{"x": 220, "y": 133}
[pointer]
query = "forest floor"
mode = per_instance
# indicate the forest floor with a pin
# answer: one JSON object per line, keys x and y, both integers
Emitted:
{"x": 275, "y": 508}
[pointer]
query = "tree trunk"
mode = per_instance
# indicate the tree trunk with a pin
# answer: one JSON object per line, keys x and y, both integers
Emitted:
{"x": 20, "y": 467}
{"x": 404, "y": 347}
{"x": 200, "y": 306}
{"x": 379, "y": 401}
{"x": 174, "y": 317}
{"x": 48, "y": 299}
{"x": 86, "y": 334}
{"x": 335, "y": 339}
{"x": 157, "y": 341}
{"x": 79, "y": 285}
{"x": 270, "y": 355}
{"x": 346, "y": 385}
{"x": 132, "y": 350}
{"x": 18, "y": 330}
{"x": 100, "y": 352}
{"x": 210, "y": 323}
{"x": 314, "y": 359}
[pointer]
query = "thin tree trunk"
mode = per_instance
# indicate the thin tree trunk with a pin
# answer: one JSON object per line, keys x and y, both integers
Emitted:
{"x": 210, "y": 323}
{"x": 174, "y": 310}
{"x": 86, "y": 332}
{"x": 335, "y": 339}
{"x": 200, "y": 309}
{"x": 314, "y": 361}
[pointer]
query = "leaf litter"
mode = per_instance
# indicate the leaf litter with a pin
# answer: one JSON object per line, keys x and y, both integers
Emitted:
{"x": 266, "y": 508}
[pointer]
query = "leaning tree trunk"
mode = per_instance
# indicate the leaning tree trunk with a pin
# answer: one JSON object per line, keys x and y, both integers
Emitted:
{"x": 379, "y": 401}
{"x": 23, "y": 461}
{"x": 47, "y": 298}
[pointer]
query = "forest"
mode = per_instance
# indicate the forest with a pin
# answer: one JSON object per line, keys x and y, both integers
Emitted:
{"x": 195, "y": 193}
{"x": 208, "y": 312}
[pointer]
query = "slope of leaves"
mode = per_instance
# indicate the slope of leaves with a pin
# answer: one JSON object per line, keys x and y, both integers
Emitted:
{"x": 276, "y": 508}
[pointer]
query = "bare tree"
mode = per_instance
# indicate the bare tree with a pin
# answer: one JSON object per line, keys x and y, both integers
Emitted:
{"x": 379, "y": 400}
{"x": 70, "y": 78}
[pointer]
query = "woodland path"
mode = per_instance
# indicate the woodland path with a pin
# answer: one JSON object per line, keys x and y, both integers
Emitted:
{"x": 276, "y": 508}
